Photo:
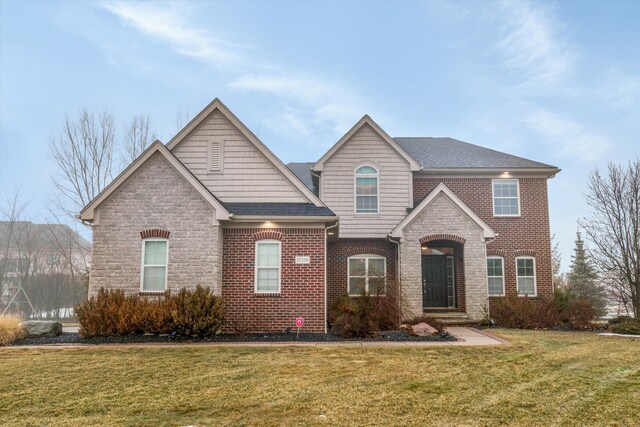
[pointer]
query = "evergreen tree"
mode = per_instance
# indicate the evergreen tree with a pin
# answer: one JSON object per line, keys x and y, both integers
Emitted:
{"x": 583, "y": 279}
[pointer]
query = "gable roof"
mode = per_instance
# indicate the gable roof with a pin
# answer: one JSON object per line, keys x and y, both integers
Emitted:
{"x": 216, "y": 104}
{"x": 449, "y": 153}
{"x": 87, "y": 213}
{"x": 366, "y": 120}
{"x": 303, "y": 171}
{"x": 441, "y": 188}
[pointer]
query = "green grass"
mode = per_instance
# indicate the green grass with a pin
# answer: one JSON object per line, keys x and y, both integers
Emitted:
{"x": 541, "y": 378}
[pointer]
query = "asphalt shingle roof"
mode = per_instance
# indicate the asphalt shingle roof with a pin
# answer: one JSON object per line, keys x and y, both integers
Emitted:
{"x": 303, "y": 171}
{"x": 278, "y": 209}
{"x": 443, "y": 153}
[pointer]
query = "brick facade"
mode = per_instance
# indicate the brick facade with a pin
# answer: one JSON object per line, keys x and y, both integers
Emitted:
{"x": 337, "y": 254}
{"x": 302, "y": 285}
{"x": 527, "y": 234}
{"x": 156, "y": 202}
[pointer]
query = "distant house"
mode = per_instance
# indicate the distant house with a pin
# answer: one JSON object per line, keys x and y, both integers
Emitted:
{"x": 32, "y": 256}
{"x": 449, "y": 225}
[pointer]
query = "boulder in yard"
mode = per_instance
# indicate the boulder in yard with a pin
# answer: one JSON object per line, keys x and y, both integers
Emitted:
{"x": 41, "y": 328}
{"x": 424, "y": 330}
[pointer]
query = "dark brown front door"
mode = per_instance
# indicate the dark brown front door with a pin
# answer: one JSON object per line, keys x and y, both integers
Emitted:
{"x": 434, "y": 281}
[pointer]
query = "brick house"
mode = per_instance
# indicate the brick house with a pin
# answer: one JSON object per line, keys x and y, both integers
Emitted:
{"x": 442, "y": 225}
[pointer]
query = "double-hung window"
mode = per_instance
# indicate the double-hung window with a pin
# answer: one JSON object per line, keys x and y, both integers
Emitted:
{"x": 506, "y": 197}
{"x": 267, "y": 275}
{"x": 367, "y": 273}
{"x": 495, "y": 276}
{"x": 155, "y": 257}
{"x": 366, "y": 190}
{"x": 526, "y": 276}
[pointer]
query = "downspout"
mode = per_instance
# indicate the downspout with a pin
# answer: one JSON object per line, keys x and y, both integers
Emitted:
{"x": 326, "y": 230}
{"x": 486, "y": 242}
{"x": 398, "y": 275}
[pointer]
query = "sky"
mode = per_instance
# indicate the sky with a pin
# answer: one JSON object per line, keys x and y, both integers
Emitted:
{"x": 556, "y": 82}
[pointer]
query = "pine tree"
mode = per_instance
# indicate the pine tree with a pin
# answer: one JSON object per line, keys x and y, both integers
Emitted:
{"x": 583, "y": 279}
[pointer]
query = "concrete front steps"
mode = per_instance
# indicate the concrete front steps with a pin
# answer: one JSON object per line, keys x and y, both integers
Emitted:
{"x": 449, "y": 317}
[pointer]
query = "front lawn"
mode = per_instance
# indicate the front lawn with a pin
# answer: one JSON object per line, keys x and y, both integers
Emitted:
{"x": 542, "y": 378}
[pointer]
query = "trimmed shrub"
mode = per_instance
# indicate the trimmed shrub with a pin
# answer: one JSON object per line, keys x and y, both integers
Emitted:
{"x": 525, "y": 313}
{"x": 354, "y": 317}
{"x": 625, "y": 325}
{"x": 529, "y": 313}
{"x": 10, "y": 330}
{"x": 189, "y": 313}
{"x": 197, "y": 313}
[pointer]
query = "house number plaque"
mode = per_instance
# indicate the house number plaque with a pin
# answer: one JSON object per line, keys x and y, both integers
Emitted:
{"x": 303, "y": 259}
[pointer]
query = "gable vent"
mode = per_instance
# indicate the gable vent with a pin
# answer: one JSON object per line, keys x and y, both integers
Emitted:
{"x": 215, "y": 155}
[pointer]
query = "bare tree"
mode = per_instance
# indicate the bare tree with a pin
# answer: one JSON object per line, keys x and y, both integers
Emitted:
{"x": 83, "y": 154}
{"x": 614, "y": 228}
{"x": 137, "y": 137}
{"x": 182, "y": 118}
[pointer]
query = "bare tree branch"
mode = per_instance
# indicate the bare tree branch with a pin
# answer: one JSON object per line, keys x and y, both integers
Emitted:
{"x": 137, "y": 137}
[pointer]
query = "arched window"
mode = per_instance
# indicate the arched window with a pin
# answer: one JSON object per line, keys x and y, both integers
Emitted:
{"x": 366, "y": 190}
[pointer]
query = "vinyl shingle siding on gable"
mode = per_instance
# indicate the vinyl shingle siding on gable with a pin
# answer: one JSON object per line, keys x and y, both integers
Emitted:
{"x": 337, "y": 185}
{"x": 246, "y": 175}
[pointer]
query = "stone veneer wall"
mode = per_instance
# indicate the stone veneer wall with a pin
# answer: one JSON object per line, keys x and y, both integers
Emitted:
{"x": 302, "y": 285}
{"x": 442, "y": 216}
{"x": 156, "y": 197}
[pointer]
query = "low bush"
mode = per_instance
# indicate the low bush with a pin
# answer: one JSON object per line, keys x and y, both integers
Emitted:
{"x": 10, "y": 330}
{"x": 525, "y": 313}
{"x": 363, "y": 316}
{"x": 530, "y": 313}
{"x": 190, "y": 312}
{"x": 197, "y": 312}
{"x": 625, "y": 325}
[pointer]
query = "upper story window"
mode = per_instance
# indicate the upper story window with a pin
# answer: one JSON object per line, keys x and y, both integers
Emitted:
{"x": 267, "y": 275}
{"x": 526, "y": 276}
{"x": 367, "y": 273}
{"x": 155, "y": 258}
{"x": 366, "y": 190}
{"x": 495, "y": 276}
{"x": 506, "y": 197}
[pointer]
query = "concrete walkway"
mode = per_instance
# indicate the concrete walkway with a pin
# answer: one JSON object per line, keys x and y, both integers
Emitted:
{"x": 466, "y": 337}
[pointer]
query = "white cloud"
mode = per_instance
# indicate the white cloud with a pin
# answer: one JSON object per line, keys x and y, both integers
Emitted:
{"x": 620, "y": 89}
{"x": 309, "y": 102}
{"x": 568, "y": 137}
{"x": 533, "y": 44}
{"x": 168, "y": 25}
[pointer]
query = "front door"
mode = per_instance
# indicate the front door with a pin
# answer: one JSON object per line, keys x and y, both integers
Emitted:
{"x": 434, "y": 281}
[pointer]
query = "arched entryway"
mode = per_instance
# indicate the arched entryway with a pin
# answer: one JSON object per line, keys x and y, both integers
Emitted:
{"x": 442, "y": 270}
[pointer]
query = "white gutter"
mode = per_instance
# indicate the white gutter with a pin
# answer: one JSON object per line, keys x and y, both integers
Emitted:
{"x": 325, "y": 274}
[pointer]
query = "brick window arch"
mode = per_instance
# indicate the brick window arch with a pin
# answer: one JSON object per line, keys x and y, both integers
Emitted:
{"x": 451, "y": 237}
{"x": 268, "y": 234}
{"x": 154, "y": 232}
{"x": 524, "y": 252}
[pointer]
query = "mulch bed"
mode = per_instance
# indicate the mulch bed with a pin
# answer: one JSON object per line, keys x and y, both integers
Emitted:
{"x": 75, "y": 338}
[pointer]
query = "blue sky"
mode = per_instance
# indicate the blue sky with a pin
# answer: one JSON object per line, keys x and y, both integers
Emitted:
{"x": 557, "y": 82}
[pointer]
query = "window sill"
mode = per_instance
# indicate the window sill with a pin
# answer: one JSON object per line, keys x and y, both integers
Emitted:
{"x": 151, "y": 293}
{"x": 267, "y": 294}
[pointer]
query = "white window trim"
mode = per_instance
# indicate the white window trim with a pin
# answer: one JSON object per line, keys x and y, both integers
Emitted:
{"x": 493, "y": 197}
{"x": 366, "y": 257}
{"x": 493, "y": 277}
{"x": 256, "y": 267}
{"x": 355, "y": 188}
{"x": 142, "y": 265}
{"x": 535, "y": 281}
